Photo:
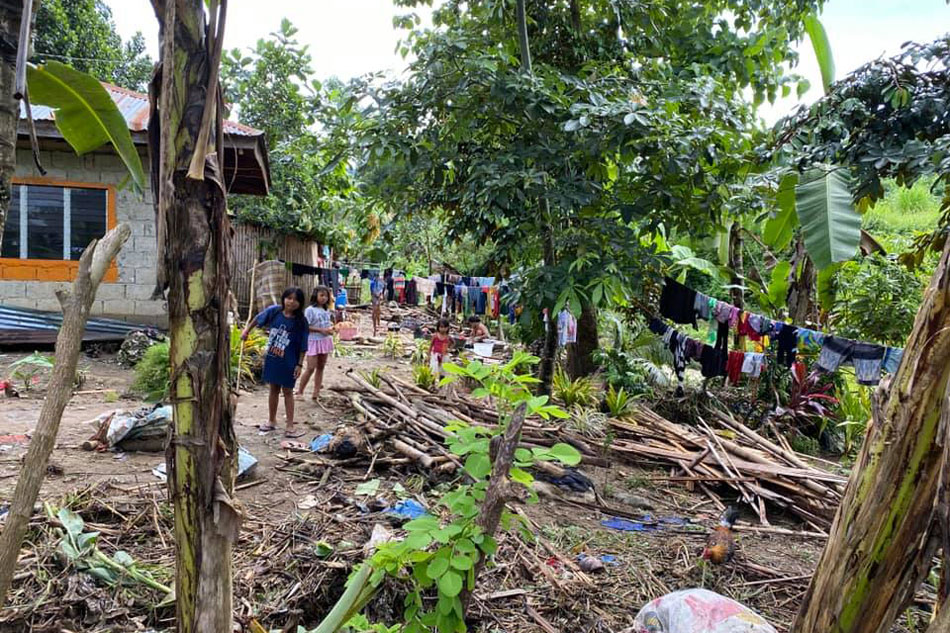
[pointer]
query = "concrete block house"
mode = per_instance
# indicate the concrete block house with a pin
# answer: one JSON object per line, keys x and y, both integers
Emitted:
{"x": 54, "y": 216}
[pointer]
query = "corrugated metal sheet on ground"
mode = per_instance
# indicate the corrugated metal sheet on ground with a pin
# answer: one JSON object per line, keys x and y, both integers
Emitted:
{"x": 22, "y": 326}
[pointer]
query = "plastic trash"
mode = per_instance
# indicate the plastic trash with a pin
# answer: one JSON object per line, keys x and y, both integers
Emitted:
{"x": 646, "y": 523}
{"x": 625, "y": 525}
{"x": 408, "y": 509}
{"x": 698, "y": 611}
{"x": 320, "y": 442}
{"x": 144, "y": 423}
{"x": 246, "y": 463}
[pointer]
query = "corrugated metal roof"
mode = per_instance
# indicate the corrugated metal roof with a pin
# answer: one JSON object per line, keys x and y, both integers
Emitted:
{"x": 134, "y": 107}
{"x": 21, "y": 325}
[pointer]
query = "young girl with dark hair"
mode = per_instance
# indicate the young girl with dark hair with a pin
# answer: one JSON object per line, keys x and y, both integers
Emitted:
{"x": 320, "y": 341}
{"x": 283, "y": 360}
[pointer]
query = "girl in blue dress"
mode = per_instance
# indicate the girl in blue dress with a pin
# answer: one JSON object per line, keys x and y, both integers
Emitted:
{"x": 286, "y": 344}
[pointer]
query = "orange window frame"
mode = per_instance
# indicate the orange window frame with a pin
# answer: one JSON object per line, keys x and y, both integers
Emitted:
{"x": 15, "y": 269}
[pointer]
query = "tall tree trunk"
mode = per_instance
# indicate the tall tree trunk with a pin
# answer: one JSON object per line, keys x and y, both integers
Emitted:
{"x": 195, "y": 233}
{"x": 10, "y": 11}
{"x": 76, "y": 304}
{"x": 881, "y": 544}
{"x": 576, "y": 17}
{"x": 581, "y": 354}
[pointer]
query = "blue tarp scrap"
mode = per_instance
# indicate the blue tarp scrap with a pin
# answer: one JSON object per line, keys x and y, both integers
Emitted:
{"x": 320, "y": 442}
{"x": 645, "y": 523}
{"x": 408, "y": 509}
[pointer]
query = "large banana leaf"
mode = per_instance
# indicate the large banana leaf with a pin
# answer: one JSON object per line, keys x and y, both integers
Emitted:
{"x": 830, "y": 225}
{"x": 821, "y": 45}
{"x": 86, "y": 115}
{"x": 779, "y": 229}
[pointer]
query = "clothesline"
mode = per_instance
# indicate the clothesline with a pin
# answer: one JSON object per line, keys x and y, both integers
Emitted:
{"x": 682, "y": 304}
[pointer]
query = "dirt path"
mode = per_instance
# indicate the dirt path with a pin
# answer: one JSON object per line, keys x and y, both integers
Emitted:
{"x": 74, "y": 467}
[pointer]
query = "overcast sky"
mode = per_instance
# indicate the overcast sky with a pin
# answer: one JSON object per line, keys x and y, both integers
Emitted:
{"x": 352, "y": 37}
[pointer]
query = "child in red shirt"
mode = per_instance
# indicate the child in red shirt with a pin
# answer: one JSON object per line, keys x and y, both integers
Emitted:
{"x": 440, "y": 346}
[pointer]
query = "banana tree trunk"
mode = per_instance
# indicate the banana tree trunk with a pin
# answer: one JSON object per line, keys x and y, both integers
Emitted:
{"x": 10, "y": 11}
{"x": 801, "y": 290}
{"x": 881, "y": 544}
{"x": 194, "y": 241}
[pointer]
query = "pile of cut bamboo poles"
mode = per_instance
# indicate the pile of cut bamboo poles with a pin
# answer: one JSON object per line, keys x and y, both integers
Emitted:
{"x": 414, "y": 423}
{"x": 733, "y": 455}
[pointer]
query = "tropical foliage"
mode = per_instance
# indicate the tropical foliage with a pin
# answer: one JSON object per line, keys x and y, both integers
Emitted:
{"x": 82, "y": 34}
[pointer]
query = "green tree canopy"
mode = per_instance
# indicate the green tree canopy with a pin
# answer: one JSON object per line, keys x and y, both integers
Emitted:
{"x": 309, "y": 127}
{"x": 632, "y": 121}
{"x": 81, "y": 33}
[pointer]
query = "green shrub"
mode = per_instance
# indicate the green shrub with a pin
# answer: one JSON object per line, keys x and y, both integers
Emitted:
{"x": 153, "y": 372}
{"x": 423, "y": 376}
{"x": 877, "y": 300}
{"x": 618, "y": 401}
{"x": 572, "y": 392}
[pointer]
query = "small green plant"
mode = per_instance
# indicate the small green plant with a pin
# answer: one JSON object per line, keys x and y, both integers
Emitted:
{"x": 420, "y": 354}
{"x": 111, "y": 396}
{"x": 28, "y": 369}
{"x": 572, "y": 392}
{"x": 854, "y": 411}
{"x": 440, "y": 556}
{"x": 586, "y": 421}
{"x": 374, "y": 377}
{"x": 341, "y": 351}
{"x": 423, "y": 376}
{"x": 153, "y": 373}
{"x": 618, "y": 401}
{"x": 392, "y": 346}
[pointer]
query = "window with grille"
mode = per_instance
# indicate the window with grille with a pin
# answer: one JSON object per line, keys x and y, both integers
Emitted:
{"x": 53, "y": 222}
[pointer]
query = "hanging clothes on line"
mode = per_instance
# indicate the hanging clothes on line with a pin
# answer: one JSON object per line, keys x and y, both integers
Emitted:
{"x": 566, "y": 328}
{"x": 678, "y": 303}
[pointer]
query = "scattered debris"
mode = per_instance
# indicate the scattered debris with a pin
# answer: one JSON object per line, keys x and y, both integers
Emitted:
{"x": 246, "y": 465}
{"x": 136, "y": 344}
{"x": 699, "y": 611}
{"x": 144, "y": 429}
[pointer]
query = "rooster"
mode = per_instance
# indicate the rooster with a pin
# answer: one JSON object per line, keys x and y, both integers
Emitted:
{"x": 721, "y": 543}
{"x": 8, "y": 389}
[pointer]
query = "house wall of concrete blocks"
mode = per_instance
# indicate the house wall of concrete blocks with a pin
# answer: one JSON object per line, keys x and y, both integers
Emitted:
{"x": 129, "y": 297}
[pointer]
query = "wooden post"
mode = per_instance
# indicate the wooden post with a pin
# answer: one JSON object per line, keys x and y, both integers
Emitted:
{"x": 250, "y": 315}
{"x": 76, "y": 304}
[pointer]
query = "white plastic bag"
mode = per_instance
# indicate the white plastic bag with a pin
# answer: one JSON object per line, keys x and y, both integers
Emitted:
{"x": 698, "y": 611}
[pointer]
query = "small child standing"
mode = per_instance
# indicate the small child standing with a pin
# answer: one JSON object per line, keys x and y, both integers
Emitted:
{"x": 320, "y": 341}
{"x": 440, "y": 346}
{"x": 282, "y": 362}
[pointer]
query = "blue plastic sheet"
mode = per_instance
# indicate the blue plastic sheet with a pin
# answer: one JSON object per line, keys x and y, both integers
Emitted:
{"x": 320, "y": 442}
{"x": 646, "y": 523}
{"x": 408, "y": 509}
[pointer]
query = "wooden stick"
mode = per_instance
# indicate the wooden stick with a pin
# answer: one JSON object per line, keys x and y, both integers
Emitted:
{"x": 93, "y": 264}
{"x": 250, "y": 315}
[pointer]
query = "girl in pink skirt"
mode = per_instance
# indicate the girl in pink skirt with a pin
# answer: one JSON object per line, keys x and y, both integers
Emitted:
{"x": 320, "y": 342}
